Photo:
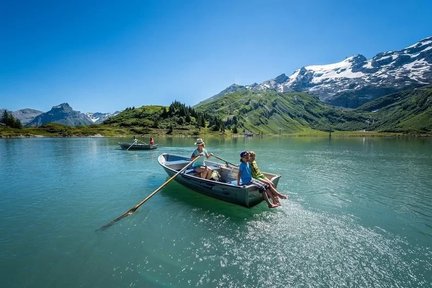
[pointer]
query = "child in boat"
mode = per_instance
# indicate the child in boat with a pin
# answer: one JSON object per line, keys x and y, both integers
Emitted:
{"x": 245, "y": 175}
{"x": 257, "y": 174}
{"x": 199, "y": 166}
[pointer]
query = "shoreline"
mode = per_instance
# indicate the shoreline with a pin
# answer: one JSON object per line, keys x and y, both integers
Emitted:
{"x": 316, "y": 134}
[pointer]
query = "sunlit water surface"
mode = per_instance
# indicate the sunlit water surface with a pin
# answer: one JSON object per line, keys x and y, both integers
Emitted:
{"x": 359, "y": 214}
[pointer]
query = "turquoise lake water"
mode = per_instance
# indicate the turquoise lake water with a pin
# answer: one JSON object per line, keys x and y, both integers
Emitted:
{"x": 359, "y": 214}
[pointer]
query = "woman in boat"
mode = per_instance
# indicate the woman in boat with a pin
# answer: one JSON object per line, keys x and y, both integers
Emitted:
{"x": 245, "y": 175}
{"x": 257, "y": 174}
{"x": 151, "y": 142}
{"x": 199, "y": 166}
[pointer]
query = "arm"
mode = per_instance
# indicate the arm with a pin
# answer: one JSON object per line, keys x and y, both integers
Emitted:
{"x": 238, "y": 178}
{"x": 193, "y": 156}
{"x": 207, "y": 154}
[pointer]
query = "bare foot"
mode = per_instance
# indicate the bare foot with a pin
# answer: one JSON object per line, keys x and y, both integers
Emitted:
{"x": 272, "y": 206}
{"x": 283, "y": 196}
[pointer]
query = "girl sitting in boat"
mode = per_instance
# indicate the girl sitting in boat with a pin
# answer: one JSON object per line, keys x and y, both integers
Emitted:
{"x": 245, "y": 175}
{"x": 257, "y": 174}
{"x": 199, "y": 166}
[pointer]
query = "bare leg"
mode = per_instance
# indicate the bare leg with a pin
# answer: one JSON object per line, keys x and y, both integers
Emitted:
{"x": 201, "y": 172}
{"x": 209, "y": 173}
{"x": 276, "y": 194}
{"x": 266, "y": 198}
{"x": 274, "y": 197}
{"x": 273, "y": 189}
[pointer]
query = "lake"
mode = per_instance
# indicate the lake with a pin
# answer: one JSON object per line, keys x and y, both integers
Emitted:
{"x": 359, "y": 214}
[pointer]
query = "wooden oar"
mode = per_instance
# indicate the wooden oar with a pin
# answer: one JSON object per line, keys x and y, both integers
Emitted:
{"x": 133, "y": 209}
{"x": 226, "y": 161}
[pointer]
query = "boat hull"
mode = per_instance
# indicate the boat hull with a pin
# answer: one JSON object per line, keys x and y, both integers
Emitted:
{"x": 139, "y": 146}
{"x": 226, "y": 190}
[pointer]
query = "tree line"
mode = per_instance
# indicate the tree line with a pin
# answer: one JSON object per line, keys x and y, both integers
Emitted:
{"x": 188, "y": 115}
{"x": 175, "y": 116}
{"x": 10, "y": 121}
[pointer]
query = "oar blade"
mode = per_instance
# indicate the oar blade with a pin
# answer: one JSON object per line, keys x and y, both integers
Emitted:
{"x": 133, "y": 209}
{"x": 124, "y": 215}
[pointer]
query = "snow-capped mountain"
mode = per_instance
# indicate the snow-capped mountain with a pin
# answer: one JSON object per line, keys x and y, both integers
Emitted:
{"x": 99, "y": 117}
{"x": 357, "y": 79}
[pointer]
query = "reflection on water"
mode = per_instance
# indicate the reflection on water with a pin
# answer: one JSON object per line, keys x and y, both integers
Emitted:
{"x": 359, "y": 214}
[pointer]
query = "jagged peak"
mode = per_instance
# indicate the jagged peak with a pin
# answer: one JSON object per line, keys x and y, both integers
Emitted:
{"x": 63, "y": 106}
{"x": 357, "y": 58}
{"x": 281, "y": 78}
{"x": 423, "y": 42}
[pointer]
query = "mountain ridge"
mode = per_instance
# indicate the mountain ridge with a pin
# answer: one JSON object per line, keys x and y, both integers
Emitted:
{"x": 356, "y": 79}
{"x": 27, "y": 115}
{"x": 272, "y": 112}
{"x": 61, "y": 114}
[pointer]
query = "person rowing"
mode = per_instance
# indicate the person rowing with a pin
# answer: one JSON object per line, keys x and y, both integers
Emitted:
{"x": 199, "y": 165}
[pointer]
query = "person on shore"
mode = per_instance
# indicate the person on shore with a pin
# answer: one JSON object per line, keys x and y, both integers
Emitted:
{"x": 257, "y": 174}
{"x": 245, "y": 175}
{"x": 199, "y": 166}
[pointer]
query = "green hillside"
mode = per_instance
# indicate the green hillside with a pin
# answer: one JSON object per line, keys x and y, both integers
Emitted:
{"x": 161, "y": 119}
{"x": 265, "y": 112}
{"x": 408, "y": 111}
{"x": 280, "y": 113}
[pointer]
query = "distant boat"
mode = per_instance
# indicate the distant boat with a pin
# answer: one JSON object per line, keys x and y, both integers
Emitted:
{"x": 138, "y": 146}
{"x": 225, "y": 188}
{"x": 248, "y": 134}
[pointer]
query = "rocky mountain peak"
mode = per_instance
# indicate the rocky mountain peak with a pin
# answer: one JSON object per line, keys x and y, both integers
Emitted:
{"x": 356, "y": 79}
{"x": 61, "y": 114}
{"x": 65, "y": 107}
{"x": 281, "y": 78}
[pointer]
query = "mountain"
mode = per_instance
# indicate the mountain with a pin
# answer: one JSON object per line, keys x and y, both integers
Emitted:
{"x": 356, "y": 80}
{"x": 231, "y": 89}
{"x": 407, "y": 111}
{"x": 26, "y": 115}
{"x": 272, "y": 112}
{"x": 61, "y": 114}
{"x": 98, "y": 117}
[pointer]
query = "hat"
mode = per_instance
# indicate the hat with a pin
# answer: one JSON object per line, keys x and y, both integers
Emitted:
{"x": 199, "y": 141}
{"x": 243, "y": 154}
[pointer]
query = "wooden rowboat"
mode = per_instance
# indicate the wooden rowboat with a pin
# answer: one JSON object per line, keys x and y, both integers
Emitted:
{"x": 137, "y": 146}
{"x": 225, "y": 188}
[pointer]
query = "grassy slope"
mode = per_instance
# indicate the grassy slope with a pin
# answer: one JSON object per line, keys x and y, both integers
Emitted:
{"x": 408, "y": 111}
{"x": 272, "y": 112}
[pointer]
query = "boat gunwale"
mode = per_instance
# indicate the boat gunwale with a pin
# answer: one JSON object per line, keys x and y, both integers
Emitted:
{"x": 146, "y": 146}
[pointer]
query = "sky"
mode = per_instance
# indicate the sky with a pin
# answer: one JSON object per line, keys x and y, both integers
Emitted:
{"x": 105, "y": 56}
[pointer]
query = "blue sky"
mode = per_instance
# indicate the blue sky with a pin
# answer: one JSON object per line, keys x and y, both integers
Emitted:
{"x": 104, "y": 56}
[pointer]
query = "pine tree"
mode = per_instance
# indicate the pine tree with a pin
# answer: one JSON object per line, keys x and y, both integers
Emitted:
{"x": 9, "y": 120}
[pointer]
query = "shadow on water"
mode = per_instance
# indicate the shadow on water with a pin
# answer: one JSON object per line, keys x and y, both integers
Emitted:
{"x": 195, "y": 200}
